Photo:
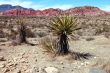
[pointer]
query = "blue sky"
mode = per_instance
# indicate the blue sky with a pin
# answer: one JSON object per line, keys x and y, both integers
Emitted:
{"x": 62, "y": 4}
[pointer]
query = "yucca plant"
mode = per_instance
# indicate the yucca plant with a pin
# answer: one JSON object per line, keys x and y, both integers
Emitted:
{"x": 63, "y": 26}
{"x": 21, "y": 31}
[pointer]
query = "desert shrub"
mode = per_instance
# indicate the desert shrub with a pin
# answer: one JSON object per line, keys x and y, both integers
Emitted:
{"x": 49, "y": 44}
{"x": 41, "y": 33}
{"x": 29, "y": 33}
{"x": 2, "y": 34}
{"x": 20, "y": 37}
{"x": 90, "y": 39}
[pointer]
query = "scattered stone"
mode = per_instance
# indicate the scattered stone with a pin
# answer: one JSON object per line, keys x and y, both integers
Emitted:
{"x": 12, "y": 64}
{"x": 97, "y": 70}
{"x": 41, "y": 70}
{"x": 35, "y": 70}
{"x": 75, "y": 67}
{"x": 51, "y": 70}
{"x": 89, "y": 39}
{"x": 2, "y": 65}
{"x": 87, "y": 63}
{"x": 38, "y": 70}
{"x": 61, "y": 63}
{"x": 63, "y": 67}
{"x": 82, "y": 64}
{"x": 79, "y": 67}
{"x": 2, "y": 58}
{"x": 17, "y": 71}
{"x": 23, "y": 60}
{"x": 95, "y": 57}
{"x": 6, "y": 70}
{"x": 35, "y": 60}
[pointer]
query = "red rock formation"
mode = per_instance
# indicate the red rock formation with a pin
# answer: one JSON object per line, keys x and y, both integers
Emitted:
{"x": 18, "y": 12}
{"x": 86, "y": 11}
{"x": 78, "y": 11}
{"x": 51, "y": 11}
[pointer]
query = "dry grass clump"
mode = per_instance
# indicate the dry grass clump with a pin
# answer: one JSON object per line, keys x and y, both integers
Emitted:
{"x": 90, "y": 39}
{"x": 49, "y": 45}
{"x": 41, "y": 33}
{"x": 30, "y": 33}
{"x": 2, "y": 35}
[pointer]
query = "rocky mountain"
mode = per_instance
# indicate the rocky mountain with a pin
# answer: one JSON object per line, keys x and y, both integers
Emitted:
{"x": 18, "y": 12}
{"x": 22, "y": 12}
{"x": 5, "y": 7}
{"x": 86, "y": 11}
{"x": 78, "y": 11}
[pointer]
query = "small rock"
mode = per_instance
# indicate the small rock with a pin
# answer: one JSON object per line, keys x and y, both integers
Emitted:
{"x": 36, "y": 60}
{"x": 75, "y": 67}
{"x": 41, "y": 70}
{"x": 19, "y": 71}
{"x": 51, "y": 70}
{"x": 23, "y": 60}
{"x": 79, "y": 67}
{"x": 12, "y": 64}
{"x": 87, "y": 63}
{"x": 61, "y": 63}
{"x": 63, "y": 67}
{"x": 2, "y": 58}
{"x": 2, "y": 65}
{"x": 17, "y": 58}
{"x": 38, "y": 70}
{"x": 6, "y": 70}
{"x": 35, "y": 70}
{"x": 95, "y": 57}
{"x": 82, "y": 64}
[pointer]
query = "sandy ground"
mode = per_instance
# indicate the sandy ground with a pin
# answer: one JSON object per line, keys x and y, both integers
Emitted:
{"x": 30, "y": 59}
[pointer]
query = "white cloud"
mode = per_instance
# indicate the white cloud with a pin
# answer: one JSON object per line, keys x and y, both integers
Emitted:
{"x": 106, "y": 8}
{"x": 64, "y": 6}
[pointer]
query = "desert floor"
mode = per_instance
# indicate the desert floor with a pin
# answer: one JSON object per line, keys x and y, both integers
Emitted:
{"x": 31, "y": 59}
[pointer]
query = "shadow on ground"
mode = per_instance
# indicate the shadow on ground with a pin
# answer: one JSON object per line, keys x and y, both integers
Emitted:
{"x": 80, "y": 56}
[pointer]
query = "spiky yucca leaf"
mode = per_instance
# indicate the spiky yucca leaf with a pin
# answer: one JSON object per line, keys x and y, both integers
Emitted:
{"x": 20, "y": 22}
{"x": 63, "y": 25}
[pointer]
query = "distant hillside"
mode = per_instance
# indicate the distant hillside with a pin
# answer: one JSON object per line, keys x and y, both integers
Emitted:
{"x": 9, "y": 10}
{"x": 86, "y": 11}
{"x": 5, "y": 7}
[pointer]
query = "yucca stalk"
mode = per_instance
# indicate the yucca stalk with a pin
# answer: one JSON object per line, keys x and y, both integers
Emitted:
{"x": 22, "y": 31}
{"x": 63, "y": 26}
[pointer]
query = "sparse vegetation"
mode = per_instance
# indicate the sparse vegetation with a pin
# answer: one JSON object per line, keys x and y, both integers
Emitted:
{"x": 49, "y": 44}
{"x": 88, "y": 39}
{"x": 22, "y": 31}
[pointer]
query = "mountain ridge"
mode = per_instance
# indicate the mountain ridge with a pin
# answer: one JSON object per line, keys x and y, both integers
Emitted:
{"x": 78, "y": 11}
